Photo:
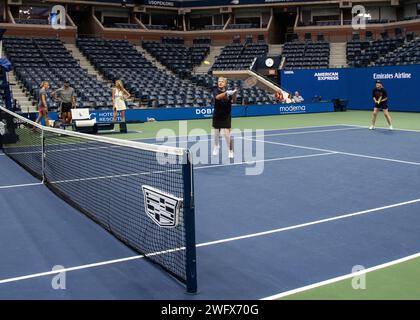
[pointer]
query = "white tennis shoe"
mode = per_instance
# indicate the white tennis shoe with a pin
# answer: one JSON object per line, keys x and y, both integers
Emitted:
{"x": 230, "y": 154}
{"x": 216, "y": 150}
{"x": 391, "y": 127}
{"x": 371, "y": 127}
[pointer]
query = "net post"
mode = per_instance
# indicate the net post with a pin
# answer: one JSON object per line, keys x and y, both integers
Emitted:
{"x": 189, "y": 216}
{"x": 43, "y": 154}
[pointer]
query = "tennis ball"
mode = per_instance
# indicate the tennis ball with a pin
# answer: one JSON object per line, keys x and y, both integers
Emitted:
{"x": 206, "y": 62}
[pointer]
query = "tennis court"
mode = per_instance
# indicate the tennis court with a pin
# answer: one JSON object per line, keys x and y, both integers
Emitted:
{"x": 330, "y": 197}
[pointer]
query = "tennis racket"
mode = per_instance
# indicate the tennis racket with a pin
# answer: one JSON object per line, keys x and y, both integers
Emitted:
{"x": 249, "y": 82}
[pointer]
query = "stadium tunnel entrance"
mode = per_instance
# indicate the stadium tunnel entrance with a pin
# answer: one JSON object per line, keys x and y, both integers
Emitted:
{"x": 283, "y": 24}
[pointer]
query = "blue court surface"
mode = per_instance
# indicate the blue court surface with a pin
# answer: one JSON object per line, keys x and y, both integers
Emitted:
{"x": 328, "y": 199}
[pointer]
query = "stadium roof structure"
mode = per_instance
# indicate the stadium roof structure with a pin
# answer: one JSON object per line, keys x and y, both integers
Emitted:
{"x": 211, "y": 3}
{"x": 180, "y": 4}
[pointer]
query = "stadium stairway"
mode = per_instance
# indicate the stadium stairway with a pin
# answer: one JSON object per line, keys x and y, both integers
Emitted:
{"x": 204, "y": 68}
{"x": 18, "y": 92}
{"x": 84, "y": 63}
{"x": 275, "y": 50}
{"x": 338, "y": 55}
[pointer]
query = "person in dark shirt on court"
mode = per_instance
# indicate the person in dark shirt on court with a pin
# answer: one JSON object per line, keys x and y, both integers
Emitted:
{"x": 380, "y": 99}
{"x": 222, "y": 118}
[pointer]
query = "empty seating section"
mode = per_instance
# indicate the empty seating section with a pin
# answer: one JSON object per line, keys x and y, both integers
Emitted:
{"x": 46, "y": 59}
{"x": 90, "y": 93}
{"x": 214, "y": 27}
{"x": 372, "y": 21}
{"x": 31, "y": 21}
{"x": 174, "y": 55}
{"x": 157, "y": 27}
{"x": 362, "y": 53}
{"x": 231, "y": 58}
{"x": 23, "y": 53}
{"x": 55, "y": 53}
{"x": 202, "y": 40}
{"x": 408, "y": 53}
{"x": 172, "y": 40}
{"x": 157, "y": 89}
{"x": 380, "y": 21}
{"x": 354, "y": 51}
{"x": 306, "y": 54}
{"x": 320, "y": 23}
{"x": 118, "y": 59}
{"x": 328, "y": 23}
{"x": 237, "y": 56}
{"x": 349, "y": 22}
{"x": 198, "y": 52}
{"x": 243, "y": 26}
{"x": 106, "y": 54}
{"x": 411, "y": 17}
{"x": 37, "y": 60}
{"x": 252, "y": 95}
{"x": 126, "y": 26}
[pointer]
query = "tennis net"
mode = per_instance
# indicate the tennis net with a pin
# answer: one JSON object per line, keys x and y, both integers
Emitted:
{"x": 141, "y": 193}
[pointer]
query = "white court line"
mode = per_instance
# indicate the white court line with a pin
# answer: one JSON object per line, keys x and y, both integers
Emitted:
{"x": 256, "y": 136}
{"x": 337, "y": 152}
{"x": 269, "y": 130}
{"x": 210, "y": 243}
{"x": 385, "y": 128}
{"x": 343, "y": 277}
{"x": 86, "y": 266}
{"x": 21, "y": 185}
{"x": 305, "y": 132}
{"x": 195, "y": 168}
{"x": 265, "y": 160}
